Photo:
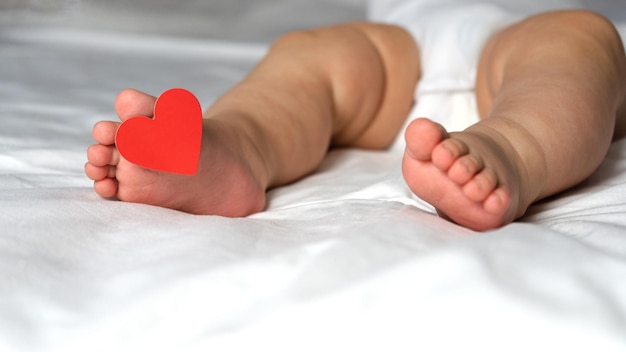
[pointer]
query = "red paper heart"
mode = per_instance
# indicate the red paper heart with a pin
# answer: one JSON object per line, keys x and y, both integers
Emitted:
{"x": 170, "y": 141}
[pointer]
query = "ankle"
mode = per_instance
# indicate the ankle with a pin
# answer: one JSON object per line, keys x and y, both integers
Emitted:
{"x": 245, "y": 141}
{"x": 517, "y": 159}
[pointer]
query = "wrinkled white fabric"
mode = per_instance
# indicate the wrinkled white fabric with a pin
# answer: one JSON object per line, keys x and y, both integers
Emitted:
{"x": 345, "y": 259}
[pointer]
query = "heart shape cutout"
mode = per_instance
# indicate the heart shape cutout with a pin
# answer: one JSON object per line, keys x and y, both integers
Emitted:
{"x": 168, "y": 142}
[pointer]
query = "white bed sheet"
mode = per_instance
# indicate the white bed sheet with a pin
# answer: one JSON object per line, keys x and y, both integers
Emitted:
{"x": 345, "y": 259}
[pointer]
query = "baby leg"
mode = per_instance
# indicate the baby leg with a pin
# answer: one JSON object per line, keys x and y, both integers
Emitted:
{"x": 350, "y": 84}
{"x": 551, "y": 90}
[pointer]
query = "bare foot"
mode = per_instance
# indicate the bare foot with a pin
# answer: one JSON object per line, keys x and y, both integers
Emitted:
{"x": 466, "y": 176}
{"x": 225, "y": 183}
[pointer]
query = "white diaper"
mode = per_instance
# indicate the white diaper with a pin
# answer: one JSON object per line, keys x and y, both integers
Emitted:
{"x": 451, "y": 35}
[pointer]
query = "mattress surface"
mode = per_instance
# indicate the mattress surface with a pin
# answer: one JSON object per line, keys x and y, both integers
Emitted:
{"x": 345, "y": 259}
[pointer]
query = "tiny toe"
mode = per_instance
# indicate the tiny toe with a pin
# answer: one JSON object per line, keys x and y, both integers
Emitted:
{"x": 422, "y": 135}
{"x": 106, "y": 188}
{"x": 102, "y": 155}
{"x": 481, "y": 185}
{"x": 98, "y": 173}
{"x": 497, "y": 202}
{"x": 131, "y": 102}
{"x": 104, "y": 132}
{"x": 447, "y": 152}
{"x": 464, "y": 169}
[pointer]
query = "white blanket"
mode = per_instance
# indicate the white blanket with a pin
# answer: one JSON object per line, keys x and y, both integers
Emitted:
{"x": 346, "y": 259}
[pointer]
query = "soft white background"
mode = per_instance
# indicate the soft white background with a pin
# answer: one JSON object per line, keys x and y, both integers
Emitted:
{"x": 243, "y": 20}
{"x": 343, "y": 260}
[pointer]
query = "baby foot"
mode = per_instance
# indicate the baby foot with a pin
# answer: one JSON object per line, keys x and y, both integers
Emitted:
{"x": 225, "y": 183}
{"x": 467, "y": 177}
